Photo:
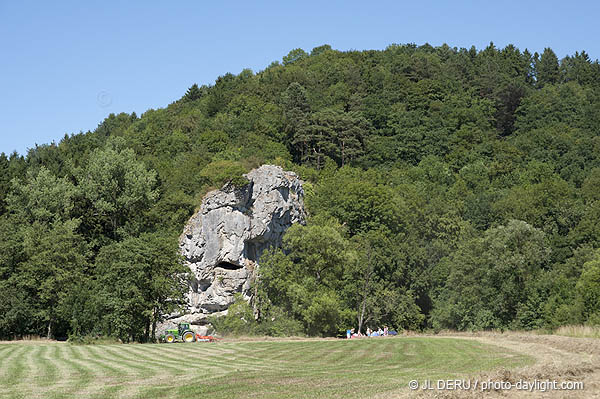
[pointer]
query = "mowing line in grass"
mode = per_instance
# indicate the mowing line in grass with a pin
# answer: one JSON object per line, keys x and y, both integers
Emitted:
{"x": 137, "y": 367}
{"x": 223, "y": 360}
{"x": 80, "y": 377}
{"x": 75, "y": 377}
{"x": 177, "y": 356}
{"x": 16, "y": 371}
{"x": 48, "y": 370}
{"x": 90, "y": 354}
{"x": 7, "y": 355}
{"x": 144, "y": 355}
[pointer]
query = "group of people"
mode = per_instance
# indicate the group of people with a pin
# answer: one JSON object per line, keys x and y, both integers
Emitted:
{"x": 370, "y": 333}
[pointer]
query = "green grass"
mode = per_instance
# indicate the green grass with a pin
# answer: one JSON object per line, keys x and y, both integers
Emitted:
{"x": 256, "y": 369}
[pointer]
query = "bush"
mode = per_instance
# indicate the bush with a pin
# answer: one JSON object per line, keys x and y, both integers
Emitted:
{"x": 279, "y": 324}
{"x": 588, "y": 290}
{"x": 238, "y": 321}
{"x": 217, "y": 173}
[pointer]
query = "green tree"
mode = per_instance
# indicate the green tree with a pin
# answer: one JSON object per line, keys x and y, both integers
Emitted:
{"x": 363, "y": 273}
{"x": 52, "y": 256}
{"x": 489, "y": 278}
{"x": 588, "y": 290}
{"x": 547, "y": 68}
{"x": 320, "y": 49}
{"x": 16, "y": 307}
{"x": 218, "y": 173}
{"x": 324, "y": 314}
{"x": 579, "y": 68}
{"x": 4, "y": 182}
{"x": 294, "y": 56}
{"x": 359, "y": 201}
{"x": 376, "y": 284}
{"x": 305, "y": 283}
{"x": 41, "y": 198}
{"x": 56, "y": 263}
{"x": 239, "y": 319}
{"x": 320, "y": 250}
{"x": 140, "y": 281}
{"x": 119, "y": 187}
{"x": 193, "y": 93}
{"x": 213, "y": 141}
{"x": 296, "y": 113}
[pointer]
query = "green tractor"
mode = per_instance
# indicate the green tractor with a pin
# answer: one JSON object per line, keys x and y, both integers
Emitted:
{"x": 182, "y": 333}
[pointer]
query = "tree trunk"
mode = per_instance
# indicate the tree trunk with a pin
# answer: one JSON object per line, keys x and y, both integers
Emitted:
{"x": 361, "y": 317}
{"x": 366, "y": 288}
{"x": 154, "y": 317}
{"x": 49, "y": 335}
{"x": 147, "y": 330}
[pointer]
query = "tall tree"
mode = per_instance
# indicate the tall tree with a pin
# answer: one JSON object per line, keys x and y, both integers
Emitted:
{"x": 56, "y": 262}
{"x": 488, "y": 278}
{"x": 294, "y": 56}
{"x": 4, "y": 182}
{"x": 193, "y": 93}
{"x": 547, "y": 68}
{"x": 119, "y": 187}
{"x": 41, "y": 198}
{"x": 588, "y": 290}
{"x": 579, "y": 68}
{"x": 363, "y": 273}
{"x": 53, "y": 257}
{"x": 140, "y": 280}
{"x": 307, "y": 283}
{"x": 296, "y": 113}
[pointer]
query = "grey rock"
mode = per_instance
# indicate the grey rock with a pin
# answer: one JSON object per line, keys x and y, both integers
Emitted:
{"x": 222, "y": 243}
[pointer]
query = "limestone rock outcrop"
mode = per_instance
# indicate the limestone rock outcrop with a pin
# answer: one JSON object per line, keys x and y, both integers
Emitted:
{"x": 222, "y": 243}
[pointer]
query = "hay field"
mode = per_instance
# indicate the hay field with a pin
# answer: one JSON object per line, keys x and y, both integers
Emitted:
{"x": 312, "y": 368}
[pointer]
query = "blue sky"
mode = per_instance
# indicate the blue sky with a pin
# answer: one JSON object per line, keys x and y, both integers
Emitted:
{"x": 66, "y": 65}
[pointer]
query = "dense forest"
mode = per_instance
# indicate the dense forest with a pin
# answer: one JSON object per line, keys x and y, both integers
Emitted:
{"x": 446, "y": 189}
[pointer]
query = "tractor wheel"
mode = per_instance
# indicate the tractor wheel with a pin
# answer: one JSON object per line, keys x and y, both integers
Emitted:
{"x": 170, "y": 338}
{"x": 188, "y": 336}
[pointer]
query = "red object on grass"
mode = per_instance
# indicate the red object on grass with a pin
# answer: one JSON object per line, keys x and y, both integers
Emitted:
{"x": 205, "y": 338}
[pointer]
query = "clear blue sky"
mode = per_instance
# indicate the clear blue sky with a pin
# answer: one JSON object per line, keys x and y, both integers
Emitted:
{"x": 64, "y": 66}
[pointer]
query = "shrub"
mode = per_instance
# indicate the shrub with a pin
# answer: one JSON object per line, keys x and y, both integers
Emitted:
{"x": 238, "y": 321}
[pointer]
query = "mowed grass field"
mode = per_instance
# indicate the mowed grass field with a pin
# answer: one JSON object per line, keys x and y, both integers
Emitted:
{"x": 242, "y": 369}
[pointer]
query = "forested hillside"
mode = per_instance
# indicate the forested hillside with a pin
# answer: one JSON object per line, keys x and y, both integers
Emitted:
{"x": 446, "y": 188}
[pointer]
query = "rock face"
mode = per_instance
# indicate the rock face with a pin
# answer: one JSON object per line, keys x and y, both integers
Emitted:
{"x": 223, "y": 241}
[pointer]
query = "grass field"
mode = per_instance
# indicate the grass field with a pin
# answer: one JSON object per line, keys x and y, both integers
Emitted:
{"x": 257, "y": 369}
{"x": 579, "y": 331}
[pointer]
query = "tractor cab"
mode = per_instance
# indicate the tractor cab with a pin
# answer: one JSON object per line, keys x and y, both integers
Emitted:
{"x": 183, "y": 327}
